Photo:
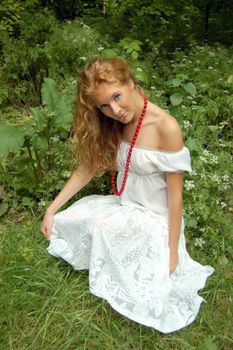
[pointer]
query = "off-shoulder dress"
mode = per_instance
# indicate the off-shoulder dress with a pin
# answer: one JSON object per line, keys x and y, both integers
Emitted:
{"x": 123, "y": 242}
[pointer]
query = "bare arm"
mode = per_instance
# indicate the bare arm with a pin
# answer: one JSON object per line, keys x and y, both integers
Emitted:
{"x": 174, "y": 190}
{"x": 172, "y": 140}
{"x": 76, "y": 182}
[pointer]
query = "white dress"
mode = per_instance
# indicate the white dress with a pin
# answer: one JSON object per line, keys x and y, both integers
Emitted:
{"x": 123, "y": 241}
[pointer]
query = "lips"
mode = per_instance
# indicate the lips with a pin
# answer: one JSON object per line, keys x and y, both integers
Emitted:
{"x": 122, "y": 116}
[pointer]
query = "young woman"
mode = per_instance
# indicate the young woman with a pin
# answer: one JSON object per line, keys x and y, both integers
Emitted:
{"x": 132, "y": 241}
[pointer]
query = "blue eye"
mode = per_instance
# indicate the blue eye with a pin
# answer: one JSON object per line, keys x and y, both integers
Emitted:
{"x": 104, "y": 105}
{"x": 117, "y": 97}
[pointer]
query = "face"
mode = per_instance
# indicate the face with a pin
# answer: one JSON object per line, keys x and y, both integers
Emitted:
{"x": 117, "y": 101}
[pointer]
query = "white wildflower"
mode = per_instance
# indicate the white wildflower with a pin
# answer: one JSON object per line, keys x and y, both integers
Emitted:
{"x": 225, "y": 178}
{"x": 193, "y": 173}
{"x": 203, "y": 159}
{"x": 100, "y": 48}
{"x": 206, "y": 152}
{"x": 214, "y": 159}
{"x": 215, "y": 178}
{"x": 83, "y": 58}
{"x": 41, "y": 203}
{"x": 55, "y": 138}
{"x": 226, "y": 186}
{"x": 186, "y": 124}
{"x": 189, "y": 184}
{"x": 199, "y": 242}
{"x": 223, "y": 204}
{"x": 153, "y": 87}
{"x": 66, "y": 173}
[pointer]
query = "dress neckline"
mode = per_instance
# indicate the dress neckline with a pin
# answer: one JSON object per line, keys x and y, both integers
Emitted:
{"x": 151, "y": 149}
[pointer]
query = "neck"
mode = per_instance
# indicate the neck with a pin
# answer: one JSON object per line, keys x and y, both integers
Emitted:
{"x": 139, "y": 107}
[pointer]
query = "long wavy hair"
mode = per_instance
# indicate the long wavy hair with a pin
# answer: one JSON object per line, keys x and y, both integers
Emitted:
{"x": 97, "y": 137}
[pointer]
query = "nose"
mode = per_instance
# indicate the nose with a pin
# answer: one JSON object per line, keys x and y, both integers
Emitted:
{"x": 115, "y": 108}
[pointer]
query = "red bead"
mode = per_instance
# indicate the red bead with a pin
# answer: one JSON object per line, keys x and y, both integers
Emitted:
{"x": 129, "y": 154}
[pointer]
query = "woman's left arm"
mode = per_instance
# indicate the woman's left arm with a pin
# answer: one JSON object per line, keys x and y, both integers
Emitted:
{"x": 174, "y": 193}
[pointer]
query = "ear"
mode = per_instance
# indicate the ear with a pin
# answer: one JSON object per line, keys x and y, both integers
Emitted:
{"x": 131, "y": 84}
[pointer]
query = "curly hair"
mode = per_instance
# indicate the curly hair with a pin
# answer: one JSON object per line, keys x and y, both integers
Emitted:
{"x": 97, "y": 137}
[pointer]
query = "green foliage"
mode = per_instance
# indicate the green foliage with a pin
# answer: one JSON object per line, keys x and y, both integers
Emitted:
{"x": 45, "y": 48}
{"x": 11, "y": 139}
{"x": 11, "y": 12}
{"x": 37, "y": 148}
{"x": 203, "y": 106}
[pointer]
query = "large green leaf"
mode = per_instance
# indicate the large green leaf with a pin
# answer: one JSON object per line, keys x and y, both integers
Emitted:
{"x": 63, "y": 115}
{"x": 50, "y": 95}
{"x": 174, "y": 82}
{"x": 176, "y": 99}
{"x": 190, "y": 88}
{"x": 39, "y": 117}
{"x": 11, "y": 139}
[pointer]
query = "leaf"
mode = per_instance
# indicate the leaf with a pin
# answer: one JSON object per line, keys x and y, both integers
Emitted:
{"x": 141, "y": 76}
{"x": 176, "y": 99}
{"x": 50, "y": 95}
{"x": 191, "y": 222}
{"x": 192, "y": 144}
{"x": 109, "y": 53}
{"x": 3, "y": 208}
{"x": 11, "y": 140}
{"x": 63, "y": 115}
{"x": 190, "y": 88}
{"x": 174, "y": 82}
{"x": 213, "y": 128}
{"x": 230, "y": 79}
{"x": 39, "y": 117}
{"x": 39, "y": 143}
{"x": 134, "y": 55}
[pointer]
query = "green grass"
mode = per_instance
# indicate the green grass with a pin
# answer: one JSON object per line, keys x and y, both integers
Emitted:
{"x": 45, "y": 304}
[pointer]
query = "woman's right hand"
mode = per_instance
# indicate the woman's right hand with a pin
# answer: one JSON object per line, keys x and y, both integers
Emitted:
{"x": 47, "y": 224}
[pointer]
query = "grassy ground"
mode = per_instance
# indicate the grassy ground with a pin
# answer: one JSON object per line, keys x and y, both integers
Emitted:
{"x": 45, "y": 304}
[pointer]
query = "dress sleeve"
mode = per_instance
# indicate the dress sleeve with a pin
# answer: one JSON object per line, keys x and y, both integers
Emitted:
{"x": 177, "y": 162}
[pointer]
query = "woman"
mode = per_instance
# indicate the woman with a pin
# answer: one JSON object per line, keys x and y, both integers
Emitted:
{"x": 132, "y": 241}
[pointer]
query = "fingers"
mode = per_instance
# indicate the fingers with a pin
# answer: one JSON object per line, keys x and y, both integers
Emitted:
{"x": 46, "y": 226}
{"x": 46, "y": 230}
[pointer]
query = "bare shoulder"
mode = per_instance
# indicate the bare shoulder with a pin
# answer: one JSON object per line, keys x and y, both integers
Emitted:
{"x": 169, "y": 131}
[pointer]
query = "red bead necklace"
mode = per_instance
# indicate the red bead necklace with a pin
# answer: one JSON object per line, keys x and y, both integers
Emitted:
{"x": 129, "y": 153}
